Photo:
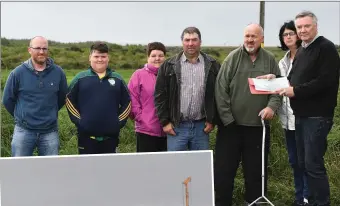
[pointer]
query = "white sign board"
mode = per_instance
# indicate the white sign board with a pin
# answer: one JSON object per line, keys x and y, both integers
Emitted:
{"x": 134, "y": 179}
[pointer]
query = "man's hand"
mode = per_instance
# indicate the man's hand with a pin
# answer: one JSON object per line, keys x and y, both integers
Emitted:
{"x": 267, "y": 76}
{"x": 208, "y": 127}
{"x": 169, "y": 129}
{"x": 267, "y": 113}
{"x": 289, "y": 92}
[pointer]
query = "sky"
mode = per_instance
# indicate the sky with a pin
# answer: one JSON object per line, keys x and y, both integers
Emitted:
{"x": 221, "y": 23}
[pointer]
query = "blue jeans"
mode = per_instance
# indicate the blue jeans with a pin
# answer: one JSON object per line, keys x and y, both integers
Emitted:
{"x": 190, "y": 135}
{"x": 311, "y": 142}
{"x": 300, "y": 179}
{"x": 24, "y": 142}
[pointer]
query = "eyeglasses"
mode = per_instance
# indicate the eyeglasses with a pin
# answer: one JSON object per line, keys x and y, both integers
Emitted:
{"x": 289, "y": 33}
{"x": 38, "y": 49}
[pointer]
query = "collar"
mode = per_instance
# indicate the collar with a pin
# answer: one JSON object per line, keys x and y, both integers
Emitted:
{"x": 108, "y": 71}
{"x": 185, "y": 59}
{"x": 305, "y": 45}
{"x": 177, "y": 58}
{"x": 150, "y": 68}
{"x": 48, "y": 64}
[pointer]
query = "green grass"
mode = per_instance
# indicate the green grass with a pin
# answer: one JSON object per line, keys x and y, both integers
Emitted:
{"x": 280, "y": 186}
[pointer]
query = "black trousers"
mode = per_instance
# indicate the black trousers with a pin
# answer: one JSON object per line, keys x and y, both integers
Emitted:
{"x": 235, "y": 144}
{"x": 87, "y": 145}
{"x": 148, "y": 143}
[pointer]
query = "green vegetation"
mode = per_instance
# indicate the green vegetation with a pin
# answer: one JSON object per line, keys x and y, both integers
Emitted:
{"x": 73, "y": 57}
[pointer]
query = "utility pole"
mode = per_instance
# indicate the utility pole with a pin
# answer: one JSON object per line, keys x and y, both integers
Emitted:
{"x": 262, "y": 11}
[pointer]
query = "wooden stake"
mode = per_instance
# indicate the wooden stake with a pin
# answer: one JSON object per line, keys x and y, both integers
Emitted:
{"x": 186, "y": 182}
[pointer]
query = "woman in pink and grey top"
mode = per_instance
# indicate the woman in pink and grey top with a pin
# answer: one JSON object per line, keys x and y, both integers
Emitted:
{"x": 149, "y": 132}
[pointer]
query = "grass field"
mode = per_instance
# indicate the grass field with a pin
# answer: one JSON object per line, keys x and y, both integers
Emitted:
{"x": 280, "y": 175}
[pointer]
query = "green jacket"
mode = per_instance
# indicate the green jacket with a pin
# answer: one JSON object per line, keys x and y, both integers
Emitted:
{"x": 233, "y": 98}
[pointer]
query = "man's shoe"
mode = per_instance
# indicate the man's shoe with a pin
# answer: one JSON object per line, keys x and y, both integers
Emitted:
{"x": 299, "y": 203}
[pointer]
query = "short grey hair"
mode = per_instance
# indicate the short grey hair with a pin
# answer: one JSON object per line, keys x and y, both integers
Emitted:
{"x": 307, "y": 13}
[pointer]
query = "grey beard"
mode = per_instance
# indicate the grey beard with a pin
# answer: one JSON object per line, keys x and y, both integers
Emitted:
{"x": 249, "y": 49}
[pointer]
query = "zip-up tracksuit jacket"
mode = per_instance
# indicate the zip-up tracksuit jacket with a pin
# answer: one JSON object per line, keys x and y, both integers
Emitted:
{"x": 98, "y": 107}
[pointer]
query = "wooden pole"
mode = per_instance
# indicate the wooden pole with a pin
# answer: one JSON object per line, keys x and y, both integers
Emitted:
{"x": 262, "y": 12}
{"x": 186, "y": 182}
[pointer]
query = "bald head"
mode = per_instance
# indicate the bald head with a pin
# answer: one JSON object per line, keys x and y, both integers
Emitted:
{"x": 38, "y": 39}
{"x": 253, "y": 37}
{"x": 255, "y": 27}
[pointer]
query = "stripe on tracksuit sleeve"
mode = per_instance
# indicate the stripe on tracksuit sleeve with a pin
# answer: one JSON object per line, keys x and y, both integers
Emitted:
{"x": 72, "y": 102}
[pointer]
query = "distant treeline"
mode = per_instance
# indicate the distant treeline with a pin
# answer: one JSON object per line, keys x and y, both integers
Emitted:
{"x": 75, "y": 55}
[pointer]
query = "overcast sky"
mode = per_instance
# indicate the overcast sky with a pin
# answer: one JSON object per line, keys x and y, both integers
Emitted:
{"x": 221, "y": 23}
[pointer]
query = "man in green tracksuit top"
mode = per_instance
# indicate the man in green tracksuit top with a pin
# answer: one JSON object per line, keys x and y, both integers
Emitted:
{"x": 239, "y": 135}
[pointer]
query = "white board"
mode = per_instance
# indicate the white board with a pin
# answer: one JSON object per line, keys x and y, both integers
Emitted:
{"x": 131, "y": 179}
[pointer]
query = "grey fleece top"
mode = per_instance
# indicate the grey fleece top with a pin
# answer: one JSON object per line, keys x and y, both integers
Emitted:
{"x": 233, "y": 98}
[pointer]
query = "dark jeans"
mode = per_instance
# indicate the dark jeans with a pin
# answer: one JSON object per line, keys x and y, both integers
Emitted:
{"x": 233, "y": 144}
{"x": 300, "y": 179}
{"x": 148, "y": 143}
{"x": 87, "y": 145}
{"x": 311, "y": 142}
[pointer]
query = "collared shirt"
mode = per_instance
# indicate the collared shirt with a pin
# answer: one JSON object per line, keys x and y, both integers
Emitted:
{"x": 305, "y": 45}
{"x": 192, "y": 89}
